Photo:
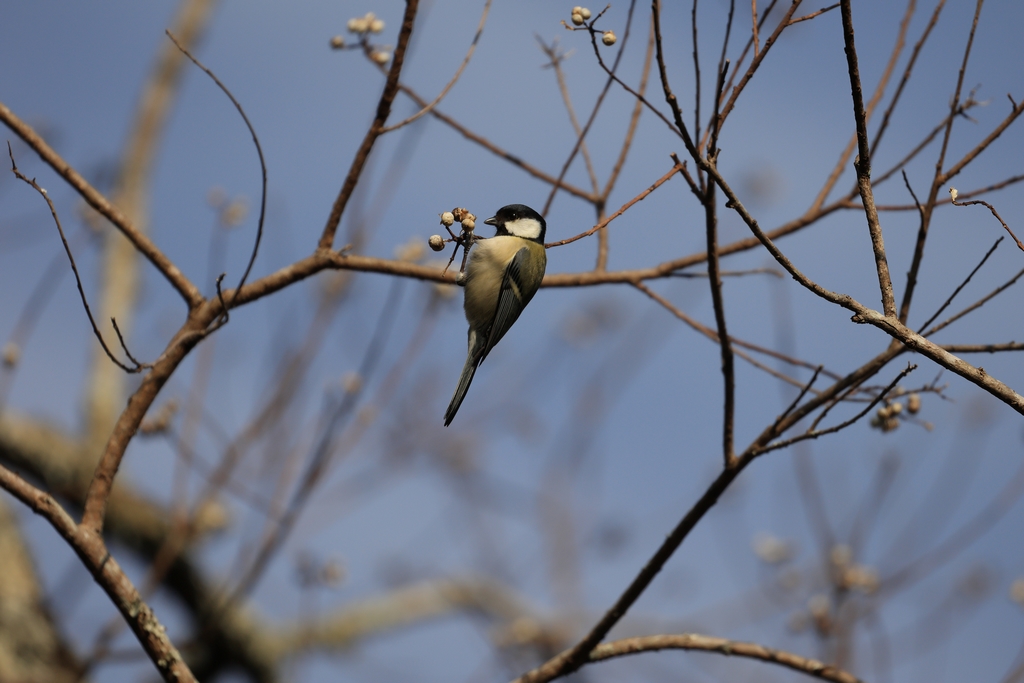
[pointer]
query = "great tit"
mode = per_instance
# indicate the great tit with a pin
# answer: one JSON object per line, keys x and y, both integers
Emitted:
{"x": 503, "y": 274}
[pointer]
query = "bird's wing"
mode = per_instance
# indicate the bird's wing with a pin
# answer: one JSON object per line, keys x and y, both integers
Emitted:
{"x": 511, "y": 300}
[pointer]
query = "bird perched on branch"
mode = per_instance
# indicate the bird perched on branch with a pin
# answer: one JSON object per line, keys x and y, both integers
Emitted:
{"x": 503, "y": 274}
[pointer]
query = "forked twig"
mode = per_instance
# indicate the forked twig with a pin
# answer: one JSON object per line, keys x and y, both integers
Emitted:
{"x": 138, "y": 367}
{"x": 458, "y": 72}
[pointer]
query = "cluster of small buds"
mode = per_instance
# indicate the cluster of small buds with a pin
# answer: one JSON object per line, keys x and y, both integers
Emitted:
{"x": 887, "y": 417}
{"x": 580, "y": 15}
{"x": 365, "y": 24}
{"x": 849, "y": 575}
{"x": 463, "y": 216}
{"x": 460, "y": 214}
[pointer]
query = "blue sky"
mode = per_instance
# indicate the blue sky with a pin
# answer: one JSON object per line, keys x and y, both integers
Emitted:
{"x": 650, "y": 428}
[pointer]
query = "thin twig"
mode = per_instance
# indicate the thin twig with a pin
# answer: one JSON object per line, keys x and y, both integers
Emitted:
{"x": 815, "y": 433}
{"x": 976, "y": 305}
{"x": 622, "y": 209}
{"x": 497, "y": 151}
{"x": 863, "y": 165}
{"x": 753, "y": 12}
{"x": 259, "y": 152}
{"x": 597, "y": 104}
{"x": 387, "y": 97}
{"x": 938, "y": 179}
{"x": 812, "y": 15}
{"x": 729, "y": 648}
{"x": 959, "y": 287}
{"x": 555, "y": 62}
{"x": 994, "y": 213}
{"x": 718, "y": 302}
{"x": 188, "y": 291}
{"x": 74, "y": 267}
{"x": 458, "y": 72}
{"x": 844, "y": 157}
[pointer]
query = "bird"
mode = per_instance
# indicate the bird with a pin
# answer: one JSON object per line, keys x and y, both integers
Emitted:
{"x": 503, "y": 274}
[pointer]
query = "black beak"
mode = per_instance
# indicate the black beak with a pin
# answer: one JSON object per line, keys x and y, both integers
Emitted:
{"x": 493, "y": 220}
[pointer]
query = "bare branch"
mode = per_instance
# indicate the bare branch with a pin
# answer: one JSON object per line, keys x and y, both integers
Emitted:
{"x": 96, "y": 200}
{"x": 259, "y": 152}
{"x": 387, "y": 97}
{"x": 999, "y": 218}
{"x": 729, "y": 648}
{"x": 78, "y": 279}
{"x": 458, "y": 72}
{"x": 863, "y": 165}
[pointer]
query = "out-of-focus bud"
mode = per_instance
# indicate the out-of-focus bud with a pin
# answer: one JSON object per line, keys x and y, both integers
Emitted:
{"x": 577, "y": 18}
{"x": 380, "y": 56}
{"x": 376, "y": 25}
{"x": 913, "y": 404}
{"x": 410, "y": 252}
{"x": 11, "y": 354}
{"x": 337, "y": 42}
{"x": 584, "y": 12}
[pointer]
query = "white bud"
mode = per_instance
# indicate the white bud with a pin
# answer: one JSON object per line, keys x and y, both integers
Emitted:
{"x": 380, "y": 57}
{"x": 337, "y": 42}
{"x": 376, "y": 26}
{"x": 913, "y": 404}
{"x": 896, "y": 408}
{"x": 577, "y": 18}
{"x": 357, "y": 25}
{"x": 436, "y": 242}
{"x": 584, "y": 12}
{"x": 577, "y": 9}
{"x": 468, "y": 224}
{"x": 952, "y": 193}
{"x": 447, "y": 219}
{"x": 608, "y": 38}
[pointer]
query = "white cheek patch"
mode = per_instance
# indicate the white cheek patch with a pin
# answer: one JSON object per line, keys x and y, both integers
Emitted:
{"x": 527, "y": 228}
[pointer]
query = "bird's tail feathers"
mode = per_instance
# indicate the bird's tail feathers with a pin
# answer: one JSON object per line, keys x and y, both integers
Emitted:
{"x": 460, "y": 392}
{"x": 473, "y": 359}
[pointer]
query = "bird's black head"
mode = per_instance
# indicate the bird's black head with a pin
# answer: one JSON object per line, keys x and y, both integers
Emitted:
{"x": 519, "y": 220}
